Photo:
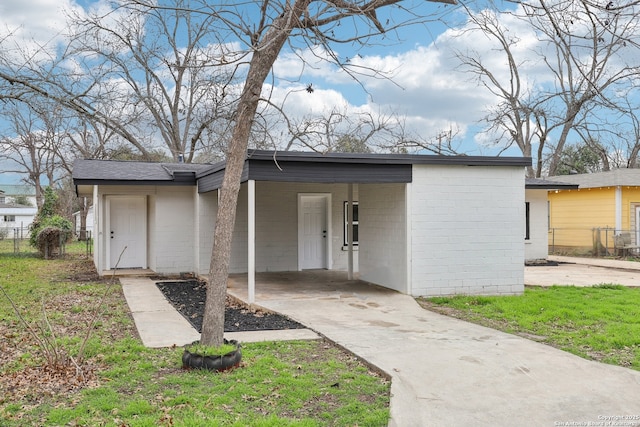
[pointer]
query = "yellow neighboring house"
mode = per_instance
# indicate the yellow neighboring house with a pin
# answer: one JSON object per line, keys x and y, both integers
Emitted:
{"x": 605, "y": 204}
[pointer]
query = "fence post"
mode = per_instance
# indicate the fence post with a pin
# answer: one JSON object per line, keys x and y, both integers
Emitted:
{"x": 88, "y": 242}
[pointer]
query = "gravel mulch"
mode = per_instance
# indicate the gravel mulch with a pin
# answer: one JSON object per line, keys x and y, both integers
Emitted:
{"x": 188, "y": 298}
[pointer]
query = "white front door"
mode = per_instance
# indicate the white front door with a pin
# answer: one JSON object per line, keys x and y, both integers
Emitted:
{"x": 313, "y": 231}
{"x": 127, "y": 227}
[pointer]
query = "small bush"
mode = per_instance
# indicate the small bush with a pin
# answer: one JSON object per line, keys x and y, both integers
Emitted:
{"x": 48, "y": 234}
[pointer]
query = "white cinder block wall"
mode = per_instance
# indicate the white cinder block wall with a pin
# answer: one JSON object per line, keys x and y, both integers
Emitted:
{"x": 277, "y": 226}
{"x": 537, "y": 247}
{"x": 207, "y": 209}
{"x": 467, "y": 228}
{"x": 383, "y": 235}
{"x": 173, "y": 237}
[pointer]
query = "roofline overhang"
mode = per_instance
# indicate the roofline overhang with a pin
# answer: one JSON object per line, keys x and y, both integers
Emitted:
{"x": 427, "y": 159}
{"x": 369, "y": 158}
{"x": 551, "y": 186}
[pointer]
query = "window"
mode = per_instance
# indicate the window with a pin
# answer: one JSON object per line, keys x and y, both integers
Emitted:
{"x": 2, "y": 199}
{"x": 355, "y": 223}
{"x": 9, "y": 218}
{"x": 526, "y": 219}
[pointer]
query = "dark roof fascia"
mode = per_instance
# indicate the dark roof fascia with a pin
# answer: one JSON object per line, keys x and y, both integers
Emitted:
{"x": 425, "y": 159}
{"x": 296, "y": 166}
{"x": 369, "y": 158}
{"x": 310, "y": 172}
{"x": 542, "y": 184}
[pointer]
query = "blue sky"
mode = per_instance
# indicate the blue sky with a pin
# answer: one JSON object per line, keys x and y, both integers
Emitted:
{"x": 427, "y": 88}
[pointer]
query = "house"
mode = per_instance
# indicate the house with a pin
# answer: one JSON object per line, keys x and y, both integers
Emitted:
{"x": 77, "y": 224}
{"x": 536, "y": 249}
{"x": 426, "y": 225}
{"x": 605, "y": 204}
{"x": 16, "y": 218}
{"x": 9, "y": 193}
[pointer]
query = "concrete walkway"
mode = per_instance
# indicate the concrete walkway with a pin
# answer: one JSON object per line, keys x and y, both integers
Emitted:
{"x": 445, "y": 372}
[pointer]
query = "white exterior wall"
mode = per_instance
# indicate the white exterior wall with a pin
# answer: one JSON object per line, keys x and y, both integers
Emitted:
{"x": 277, "y": 226}
{"x": 23, "y": 217}
{"x": 171, "y": 246}
{"x": 467, "y": 230}
{"x": 537, "y": 247}
{"x": 207, "y": 209}
{"x": 173, "y": 230}
{"x": 383, "y": 235}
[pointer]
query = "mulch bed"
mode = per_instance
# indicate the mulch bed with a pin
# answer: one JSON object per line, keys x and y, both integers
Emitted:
{"x": 188, "y": 297}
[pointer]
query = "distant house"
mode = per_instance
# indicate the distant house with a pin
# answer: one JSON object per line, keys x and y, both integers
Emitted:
{"x": 77, "y": 222}
{"x": 537, "y": 216}
{"x": 9, "y": 193}
{"x": 426, "y": 225}
{"x": 605, "y": 204}
{"x": 16, "y": 218}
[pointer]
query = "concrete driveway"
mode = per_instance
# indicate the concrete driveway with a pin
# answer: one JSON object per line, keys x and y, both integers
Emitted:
{"x": 584, "y": 272}
{"x": 448, "y": 372}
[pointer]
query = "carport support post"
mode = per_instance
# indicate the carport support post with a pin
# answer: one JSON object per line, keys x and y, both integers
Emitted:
{"x": 251, "y": 243}
{"x": 350, "y": 231}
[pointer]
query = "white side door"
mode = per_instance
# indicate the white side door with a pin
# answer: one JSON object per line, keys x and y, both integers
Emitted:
{"x": 313, "y": 231}
{"x": 127, "y": 227}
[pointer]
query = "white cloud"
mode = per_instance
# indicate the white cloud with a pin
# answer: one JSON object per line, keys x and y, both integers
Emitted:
{"x": 33, "y": 24}
{"x": 425, "y": 83}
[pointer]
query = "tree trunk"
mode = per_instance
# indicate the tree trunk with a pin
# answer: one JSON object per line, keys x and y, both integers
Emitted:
{"x": 265, "y": 53}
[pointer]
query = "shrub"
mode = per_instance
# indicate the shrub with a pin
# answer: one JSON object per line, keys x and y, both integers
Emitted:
{"x": 47, "y": 234}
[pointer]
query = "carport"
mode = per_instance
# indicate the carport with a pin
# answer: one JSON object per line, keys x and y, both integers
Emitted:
{"x": 299, "y": 212}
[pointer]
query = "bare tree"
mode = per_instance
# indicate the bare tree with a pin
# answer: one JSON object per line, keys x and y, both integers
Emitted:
{"x": 264, "y": 31}
{"x": 225, "y": 76}
{"x": 582, "y": 46}
{"x": 147, "y": 74}
{"x": 31, "y": 148}
{"x": 330, "y": 131}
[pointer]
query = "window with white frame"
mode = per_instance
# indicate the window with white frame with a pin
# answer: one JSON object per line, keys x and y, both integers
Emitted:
{"x": 354, "y": 219}
{"x": 9, "y": 218}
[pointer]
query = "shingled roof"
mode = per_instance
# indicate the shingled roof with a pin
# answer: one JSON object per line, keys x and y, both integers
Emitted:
{"x": 116, "y": 172}
{"x": 616, "y": 177}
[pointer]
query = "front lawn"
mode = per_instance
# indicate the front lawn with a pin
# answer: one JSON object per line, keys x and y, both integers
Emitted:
{"x": 600, "y": 323}
{"x": 122, "y": 383}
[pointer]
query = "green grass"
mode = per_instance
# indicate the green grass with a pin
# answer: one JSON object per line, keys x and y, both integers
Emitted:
{"x": 599, "y": 323}
{"x": 298, "y": 383}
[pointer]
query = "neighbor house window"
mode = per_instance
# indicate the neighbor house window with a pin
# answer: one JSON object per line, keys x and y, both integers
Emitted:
{"x": 9, "y": 218}
{"x": 526, "y": 218}
{"x": 2, "y": 199}
{"x": 355, "y": 223}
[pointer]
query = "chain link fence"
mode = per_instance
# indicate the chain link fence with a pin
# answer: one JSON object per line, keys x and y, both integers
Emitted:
{"x": 16, "y": 240}
{"x": 595, "y": 241}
